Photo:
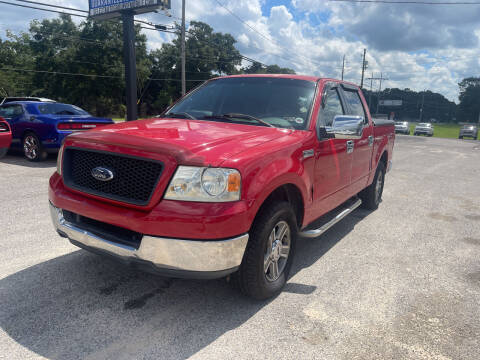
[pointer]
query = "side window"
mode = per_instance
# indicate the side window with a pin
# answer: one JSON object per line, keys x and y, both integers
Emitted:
{"x": 331, "y": 106}
{"x": 17, "y": 110}
{"x": 7, "y": 111}
{"x": 355, "y": 103}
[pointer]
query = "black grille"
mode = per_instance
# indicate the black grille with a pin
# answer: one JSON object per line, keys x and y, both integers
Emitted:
{"x": 134, "y": 179}
{"x": 112, "y": 233}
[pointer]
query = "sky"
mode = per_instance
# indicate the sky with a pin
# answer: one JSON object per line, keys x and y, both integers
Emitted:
{"x": 413, "y": 46}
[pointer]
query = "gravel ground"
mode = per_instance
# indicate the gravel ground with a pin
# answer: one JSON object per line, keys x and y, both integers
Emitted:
{"x": 402, "y": 282}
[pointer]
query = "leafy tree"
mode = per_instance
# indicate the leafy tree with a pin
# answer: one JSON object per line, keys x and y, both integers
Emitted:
{"x": 469, "y": 107}
{"x": 209, "y": 54}
{"x": 15, "y": 53}
{"x": 257, "y": 68}
{"x": 435, "y": 106}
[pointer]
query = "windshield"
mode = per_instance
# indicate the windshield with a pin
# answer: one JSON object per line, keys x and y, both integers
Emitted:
{"x": 60, "y": 109}
{"x": 284, "y": 103}
{"x": 424, "y": 125}
{"x": 401, "y": 123}
{"x": 468, "y": 126}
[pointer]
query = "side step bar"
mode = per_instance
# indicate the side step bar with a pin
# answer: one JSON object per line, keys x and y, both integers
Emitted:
{"x": 344, "y": 211}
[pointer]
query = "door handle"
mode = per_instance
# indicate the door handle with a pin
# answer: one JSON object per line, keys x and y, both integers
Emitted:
{"x": 370, "y": 140}
{"x": 350, "y": 146}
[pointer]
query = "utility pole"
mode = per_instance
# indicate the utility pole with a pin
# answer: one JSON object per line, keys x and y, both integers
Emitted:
{"x": 381, "y": 78}
{"x": 370, "y": 95}
{"x": 184, "y": 80}
{"x": 364, "y": 66}
{"x": 130, "y": 64}
{"x": 343, "y": 66}
{"x": 421, "y": 108}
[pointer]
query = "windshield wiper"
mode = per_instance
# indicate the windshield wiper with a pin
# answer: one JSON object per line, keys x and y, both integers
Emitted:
{"x": 182, "y": 115}
{"x": 230, "y": 116}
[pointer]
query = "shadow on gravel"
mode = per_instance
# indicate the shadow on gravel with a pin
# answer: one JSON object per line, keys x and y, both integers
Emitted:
{"x": 14, "y": 158}
{"x": 81, "y": 305}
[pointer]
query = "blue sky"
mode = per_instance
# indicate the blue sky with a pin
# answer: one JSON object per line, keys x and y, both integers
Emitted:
{"x": 418, "y": 47}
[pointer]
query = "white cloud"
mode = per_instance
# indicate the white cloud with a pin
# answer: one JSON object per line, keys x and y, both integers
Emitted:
{"x": 416, "y": 47}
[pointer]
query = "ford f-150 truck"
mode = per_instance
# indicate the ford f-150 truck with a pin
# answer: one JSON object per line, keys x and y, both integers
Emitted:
{"x": 225, "y": 180}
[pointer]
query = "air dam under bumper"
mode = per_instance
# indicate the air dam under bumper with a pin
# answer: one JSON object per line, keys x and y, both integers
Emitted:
{"x": 200, "y": 259}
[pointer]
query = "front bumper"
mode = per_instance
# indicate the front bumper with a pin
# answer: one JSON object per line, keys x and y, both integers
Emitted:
{"x": 170, "y": 257}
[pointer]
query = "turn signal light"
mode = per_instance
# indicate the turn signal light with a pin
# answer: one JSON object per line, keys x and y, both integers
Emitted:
{"x": 234, "y": 182}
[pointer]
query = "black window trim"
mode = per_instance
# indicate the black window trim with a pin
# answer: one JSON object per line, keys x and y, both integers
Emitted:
{"x": 350, "y": 88}
{"x": 331, "y": 85}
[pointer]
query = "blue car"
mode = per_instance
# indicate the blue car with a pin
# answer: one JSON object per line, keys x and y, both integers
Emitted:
{"x": 40, "y": 127}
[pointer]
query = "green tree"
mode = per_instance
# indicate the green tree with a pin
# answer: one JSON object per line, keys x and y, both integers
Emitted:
{"x": 469, "y": 107}
{"x": 257, "y": 68}
{"x": 15, "y": 56}
{"x": 208, "y": 53}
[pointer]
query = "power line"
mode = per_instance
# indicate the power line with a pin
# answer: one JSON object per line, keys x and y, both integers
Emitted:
{"x": 37, "y": 8}
{"x": 63, "y": 12}
{"x": 271, "y": 40}
{"x": 407, "y": 2}
{"x": 54, "y": 6}
{"x": 87, "y": 75}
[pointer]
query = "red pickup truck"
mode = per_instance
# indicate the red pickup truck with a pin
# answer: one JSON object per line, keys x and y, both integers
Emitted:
{"x": 225, "y": 180}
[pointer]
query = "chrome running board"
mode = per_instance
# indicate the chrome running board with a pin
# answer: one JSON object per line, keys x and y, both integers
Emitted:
{"x": 344, "y": 211}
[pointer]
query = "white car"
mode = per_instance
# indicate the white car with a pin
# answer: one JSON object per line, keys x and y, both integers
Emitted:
{"x": 402, "y": 127}
{"x": 424, "y": 129}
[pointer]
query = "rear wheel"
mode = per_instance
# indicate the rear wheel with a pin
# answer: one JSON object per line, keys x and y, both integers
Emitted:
{"x": 269, "y": 254}
{"x": 372, "y": 195}
{"x": 32, "y": 148}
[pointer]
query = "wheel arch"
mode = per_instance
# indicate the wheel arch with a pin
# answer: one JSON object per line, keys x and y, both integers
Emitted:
{"x": 290, "y": 193}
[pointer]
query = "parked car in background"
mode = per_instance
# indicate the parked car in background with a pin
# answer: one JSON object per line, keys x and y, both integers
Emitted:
{"x": 468, "y": 131}
{"x": 423, "y": 129}
{"x": 25, "y": 98}
{"x": 5, "y": 137}
{"x": 226, "y": 179}
{"x": 402, "y": 127}
{"x": 39, "y": 127}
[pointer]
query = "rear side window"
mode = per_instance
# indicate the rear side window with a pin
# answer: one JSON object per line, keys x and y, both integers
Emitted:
{"x": 11, "y": 111}
{"x": 355, "y": 103}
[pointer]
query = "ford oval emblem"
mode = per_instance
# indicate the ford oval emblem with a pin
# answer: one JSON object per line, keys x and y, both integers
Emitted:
{"x": 102, "y": 174}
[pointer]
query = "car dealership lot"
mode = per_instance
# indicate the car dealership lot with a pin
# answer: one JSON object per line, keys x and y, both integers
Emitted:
{"x": 401, "y": 282}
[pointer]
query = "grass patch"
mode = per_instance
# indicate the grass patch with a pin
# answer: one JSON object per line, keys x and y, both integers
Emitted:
{"x": 450, "y": 131}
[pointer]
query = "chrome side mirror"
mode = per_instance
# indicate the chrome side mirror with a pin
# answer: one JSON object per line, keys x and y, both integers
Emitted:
{"x": 346, "y": 127}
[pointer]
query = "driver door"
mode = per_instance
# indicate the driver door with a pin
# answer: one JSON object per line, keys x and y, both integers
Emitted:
{"x": 333, "y": 164}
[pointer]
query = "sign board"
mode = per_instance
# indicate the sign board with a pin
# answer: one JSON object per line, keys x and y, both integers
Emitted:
{"x": 106, "y": 9}
{"x": 390, "y": 102}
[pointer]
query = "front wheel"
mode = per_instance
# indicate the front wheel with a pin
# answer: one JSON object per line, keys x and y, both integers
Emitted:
{"x": 269, "y": 254}
{"x": 32, "y": 148}
{"x": 372, "y": 195}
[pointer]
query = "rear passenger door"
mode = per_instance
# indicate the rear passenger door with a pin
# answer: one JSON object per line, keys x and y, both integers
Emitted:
{"x": 363, "y": 147}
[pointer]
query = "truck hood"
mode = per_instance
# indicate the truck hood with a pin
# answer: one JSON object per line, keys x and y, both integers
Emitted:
{"x": 190, "y": 142}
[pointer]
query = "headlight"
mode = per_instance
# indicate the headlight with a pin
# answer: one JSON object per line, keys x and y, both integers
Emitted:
{"x": 59, "y": 160}
{"x": 191, "y": 183}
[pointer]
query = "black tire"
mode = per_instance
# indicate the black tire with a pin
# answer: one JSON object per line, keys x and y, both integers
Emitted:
{"x": 252, "y": 278}
{"x": 32, "y": 148}
{"x": 371, "y": 196}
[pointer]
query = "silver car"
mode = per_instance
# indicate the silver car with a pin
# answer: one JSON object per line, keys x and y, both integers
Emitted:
{"x": 424, "y": 129}
{"x": 468, "y": 131}
{"x": 402, "y": 127}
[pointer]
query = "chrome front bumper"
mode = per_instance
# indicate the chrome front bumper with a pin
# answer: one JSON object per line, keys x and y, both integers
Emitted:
{"x": 171, "y": 257}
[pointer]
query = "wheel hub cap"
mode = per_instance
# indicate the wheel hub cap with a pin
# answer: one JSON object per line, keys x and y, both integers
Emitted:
{"x": 277, "y": 251}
